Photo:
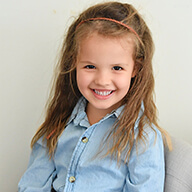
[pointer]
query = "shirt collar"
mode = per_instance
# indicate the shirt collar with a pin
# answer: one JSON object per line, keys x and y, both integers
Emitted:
{"x": 79, "y": 113}
{"x": 118, "y": 111}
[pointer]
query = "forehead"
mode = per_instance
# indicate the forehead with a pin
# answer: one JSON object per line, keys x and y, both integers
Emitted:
{"x": 100, "y": 49}
{"x": 126, "y": 42}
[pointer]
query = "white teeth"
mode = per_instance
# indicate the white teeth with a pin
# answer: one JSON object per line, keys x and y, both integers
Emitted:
{"x": 103, "y": 93}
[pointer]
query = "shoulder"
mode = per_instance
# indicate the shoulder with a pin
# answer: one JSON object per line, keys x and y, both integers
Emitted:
{"x": 150, "y": 144}
{"x": 41, "y": 142}
{"x": 148, "y": 135}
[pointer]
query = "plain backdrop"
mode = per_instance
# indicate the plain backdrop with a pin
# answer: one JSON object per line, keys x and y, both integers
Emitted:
{"x": 31, "y": 34}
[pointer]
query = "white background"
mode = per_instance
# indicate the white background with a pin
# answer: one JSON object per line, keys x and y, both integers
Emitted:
{"x": 31, "y": 32}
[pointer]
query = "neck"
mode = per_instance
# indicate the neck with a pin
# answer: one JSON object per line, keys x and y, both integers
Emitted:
{"x": 94, "y": 115}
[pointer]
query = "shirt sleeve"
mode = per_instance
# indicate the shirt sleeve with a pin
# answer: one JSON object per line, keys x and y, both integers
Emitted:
{"x": 40, "y": 172}
{"x": 146, "y": 169}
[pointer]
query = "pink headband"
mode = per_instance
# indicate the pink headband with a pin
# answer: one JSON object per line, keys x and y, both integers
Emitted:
{"x": 113, "y": 20}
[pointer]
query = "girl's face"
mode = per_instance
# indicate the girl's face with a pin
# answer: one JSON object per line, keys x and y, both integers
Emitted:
{"x": 105, "y": 67}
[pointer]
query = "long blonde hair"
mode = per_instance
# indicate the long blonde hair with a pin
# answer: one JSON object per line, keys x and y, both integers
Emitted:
{"x": 65, "y": 93}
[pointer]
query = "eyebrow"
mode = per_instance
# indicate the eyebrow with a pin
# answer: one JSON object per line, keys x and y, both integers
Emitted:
{"x": 113, "y": 64}
{"x": 89, "y": 62}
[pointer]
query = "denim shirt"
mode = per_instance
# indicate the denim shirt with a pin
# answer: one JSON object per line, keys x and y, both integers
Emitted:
{"x": 79, "y": 163}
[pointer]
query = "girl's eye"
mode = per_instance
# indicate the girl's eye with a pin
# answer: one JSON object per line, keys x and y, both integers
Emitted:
{"x": 90, "y": 67}
{"x": 117, "y": 68}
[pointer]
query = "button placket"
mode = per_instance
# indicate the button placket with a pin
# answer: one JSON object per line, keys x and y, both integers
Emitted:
{"x": 76, "y": 156}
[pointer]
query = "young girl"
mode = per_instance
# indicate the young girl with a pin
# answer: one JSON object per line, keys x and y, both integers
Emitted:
{"x": 100, "y": 133}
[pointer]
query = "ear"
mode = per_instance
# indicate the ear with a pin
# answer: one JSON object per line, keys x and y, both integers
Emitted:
{"x": 135, "y": 70}
{"x": 137, "y": 67}
{"x": 133, "y": 73}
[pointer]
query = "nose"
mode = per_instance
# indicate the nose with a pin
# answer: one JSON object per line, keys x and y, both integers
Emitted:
{"x": 102, "y": 78}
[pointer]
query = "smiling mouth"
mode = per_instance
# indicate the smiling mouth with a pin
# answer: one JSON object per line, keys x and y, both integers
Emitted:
{"x": 102, "y": 93}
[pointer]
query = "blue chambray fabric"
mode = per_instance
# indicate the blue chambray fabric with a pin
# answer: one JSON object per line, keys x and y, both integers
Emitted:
{"x": 79, "y": 163}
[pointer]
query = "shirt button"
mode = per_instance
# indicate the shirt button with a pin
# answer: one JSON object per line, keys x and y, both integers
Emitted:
{"x": 84, "y": 140}
{"x": 71, "y": 179}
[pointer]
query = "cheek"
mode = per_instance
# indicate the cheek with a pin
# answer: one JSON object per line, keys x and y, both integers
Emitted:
{"x": 82, "y": 80}
{"x": 79, "y": 79}
{"x": 123, "y": 82}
